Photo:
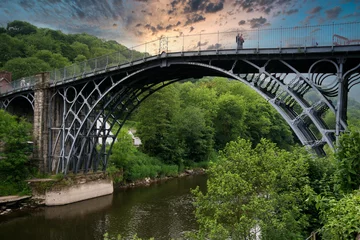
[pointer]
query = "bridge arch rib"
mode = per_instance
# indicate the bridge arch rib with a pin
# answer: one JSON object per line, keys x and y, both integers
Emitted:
{"x": 113, "y": 97}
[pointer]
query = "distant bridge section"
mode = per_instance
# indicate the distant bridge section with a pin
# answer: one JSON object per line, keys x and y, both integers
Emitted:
{"x": 304, "y": 72}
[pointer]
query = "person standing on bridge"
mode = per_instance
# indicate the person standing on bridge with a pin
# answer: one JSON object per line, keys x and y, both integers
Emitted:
{"x": 239, "y": 41}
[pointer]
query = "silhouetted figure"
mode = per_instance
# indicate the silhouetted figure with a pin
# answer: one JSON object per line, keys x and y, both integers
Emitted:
{"x": 240, "y": 41}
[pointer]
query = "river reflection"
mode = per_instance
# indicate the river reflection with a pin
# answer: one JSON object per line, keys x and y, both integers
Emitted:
{"x": 163, "y": 211}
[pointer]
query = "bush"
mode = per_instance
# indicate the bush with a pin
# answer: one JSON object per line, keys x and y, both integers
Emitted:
{"x": 14, "y": 159}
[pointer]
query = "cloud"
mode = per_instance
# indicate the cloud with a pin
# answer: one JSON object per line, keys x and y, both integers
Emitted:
{"x": 292, "y": 11}
{"x": 170, "y": 26}
{"x": 242, "y": 22}
{"x": 315, "y": 10}
{"x": 315, "y": 30}
{"x": 212, "y": 7}
{"x": 191, "y": 29}
{"x": 27, "y": 4}
{"x": 258, "y": 22}
{"x": 356, "y": 15}
{"x": 200, "y": 6}
{"x": 262, "y": 6}
{"x": 199, "y": 44}
{"x": 214, "y": 46}
{"x": 194, "y": 19}
{"x": 333, "y": 13}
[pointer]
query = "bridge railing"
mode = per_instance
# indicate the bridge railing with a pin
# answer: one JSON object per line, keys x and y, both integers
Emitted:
{"x": 290, "y": 37}
{"x": 22, "y": 84}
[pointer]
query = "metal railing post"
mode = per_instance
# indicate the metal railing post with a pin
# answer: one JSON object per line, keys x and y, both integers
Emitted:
{"x": 281, "y": 37}
{"x": 200, "y": 42}
{"x": 132, "y": 54}
{"x": 258, "y": 38}
{"x": 159, "y": 46}
{"x": 332, "y": 36}
{"x": 95, "y": 64}
{"x": 145, "y": 51}
{"x": 218, "y": 41}
{"x": 183, "y": 43}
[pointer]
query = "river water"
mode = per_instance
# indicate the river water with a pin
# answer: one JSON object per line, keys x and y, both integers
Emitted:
{"x": 163, "y": 210}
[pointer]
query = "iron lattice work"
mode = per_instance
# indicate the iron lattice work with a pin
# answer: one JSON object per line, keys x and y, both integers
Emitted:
{"x": 85, "y": 111}
{"x": 93, "y": 111}
{"x": 28, "y": 96}
{"x": 91, "y": 114}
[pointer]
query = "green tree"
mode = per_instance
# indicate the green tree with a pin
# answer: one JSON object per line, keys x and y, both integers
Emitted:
{"x": 254, "y": 189}
{"x": 155, "y": 128}
{"x": 19, "y": 27}
{"x": 22, "y": 67}
{"x": 55, "y": 60}
{"x": 123, "y": 150}
{"x": 14, "y": 159}
{"x": 10, "y": 48}
{"x": 229, "y": 123}
{"x": 342, "y": 218}
{"x": 348, "y": 156}
{"x": 80, "y": 49}
{"x": 194, "y": 135}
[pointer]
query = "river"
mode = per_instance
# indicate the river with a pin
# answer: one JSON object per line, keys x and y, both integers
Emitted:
{"x": 163, "y": 210}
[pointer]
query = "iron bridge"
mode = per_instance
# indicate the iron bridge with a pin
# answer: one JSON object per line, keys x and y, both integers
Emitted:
{"x": 77, "y": 107}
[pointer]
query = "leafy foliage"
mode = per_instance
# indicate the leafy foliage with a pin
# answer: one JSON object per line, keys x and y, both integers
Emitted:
{"x": 349, "y": 160}
{"x": 251, "y": 189}
{"x": 27, "y": 50}
{"x": 14, "y": 156}
{"x": 342, "y": 217}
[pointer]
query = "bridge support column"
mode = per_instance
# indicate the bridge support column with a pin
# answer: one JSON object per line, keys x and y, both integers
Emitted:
{"x": 42, "y": 94}
{"x": 341, "y": 106}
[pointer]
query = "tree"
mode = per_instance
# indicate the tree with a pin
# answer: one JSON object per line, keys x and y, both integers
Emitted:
{"x": 348, "y": 156}
{"x": 194, "y": 135}
{"x": 155, "y": 128}
{"x": 10, "y": 48}
{"x": 22, "y": 67}
{"x": 229, "y": 123}
{"x": 19, "y": 27}
{"x": 14, "y": 160}
{"x": 254, "y": 191}
{"x": 80, "y": 49}
{"x": 55, "y": 60}
{"x": 342, "y": 218}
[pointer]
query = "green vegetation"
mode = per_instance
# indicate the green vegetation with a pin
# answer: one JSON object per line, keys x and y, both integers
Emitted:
{"x": 193, "y": 121}
{"x": 14, "y": 155}
{"x": 27, "y": 50}
{"x": 281, "y": 194}
{"x": 258, "y": 180}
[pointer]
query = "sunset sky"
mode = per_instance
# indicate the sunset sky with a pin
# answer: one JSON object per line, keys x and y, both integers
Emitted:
{"x": 135, "y": 21}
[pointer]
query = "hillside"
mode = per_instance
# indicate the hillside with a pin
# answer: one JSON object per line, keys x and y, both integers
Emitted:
{"x": 26, "y": 49}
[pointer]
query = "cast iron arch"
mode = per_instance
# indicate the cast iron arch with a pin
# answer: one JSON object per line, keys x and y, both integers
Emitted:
{"x": 129, "y": 97}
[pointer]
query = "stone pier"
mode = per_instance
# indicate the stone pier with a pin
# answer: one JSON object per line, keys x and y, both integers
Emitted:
{"x": 42, "y": 94}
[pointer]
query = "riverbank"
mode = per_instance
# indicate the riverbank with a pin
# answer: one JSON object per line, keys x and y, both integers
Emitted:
{"x": 148, "y": 181}
{"x": 33, "y": 202}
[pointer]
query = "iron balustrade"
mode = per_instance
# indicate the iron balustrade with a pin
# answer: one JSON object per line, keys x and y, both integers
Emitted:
{"x": 275, "y": 38}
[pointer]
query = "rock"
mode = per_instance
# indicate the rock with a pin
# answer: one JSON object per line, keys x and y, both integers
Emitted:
{"x": 189, "y": 171}
{"x": 3, "y": 207}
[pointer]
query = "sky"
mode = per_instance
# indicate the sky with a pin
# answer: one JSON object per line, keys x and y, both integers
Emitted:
{"x": 132, "y": 22}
